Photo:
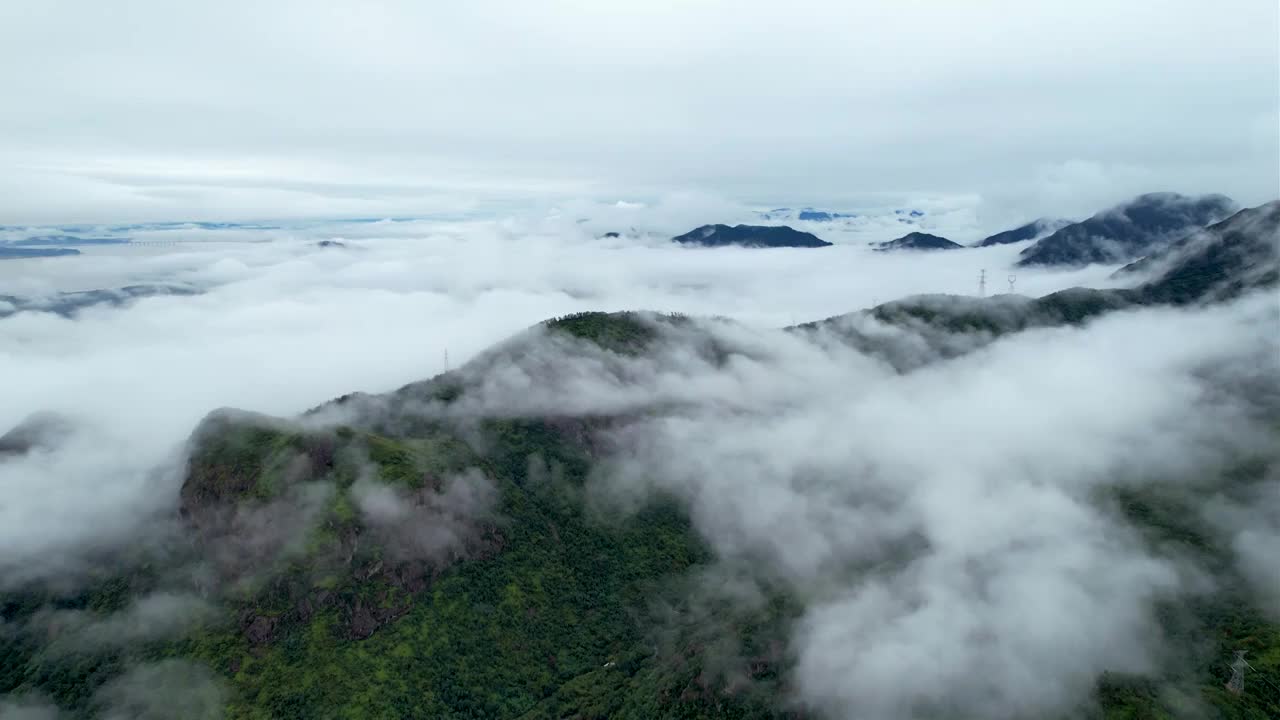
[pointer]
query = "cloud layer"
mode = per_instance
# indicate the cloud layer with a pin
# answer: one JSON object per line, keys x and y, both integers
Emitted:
{"x": 947, "y": 531}
{"x": 402, "y": 108}
{"x": 930, "y": 523}
{"x": 284, "y": 325}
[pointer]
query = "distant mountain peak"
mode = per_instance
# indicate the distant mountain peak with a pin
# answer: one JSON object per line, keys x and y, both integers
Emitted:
{"x": 1030, "y": 231}
{"x": 805, "y": 214}
{"x": 752, "y": 236}
{"x": 1217, "y": 262}
{"x": 1129, "y": 230}
{"x": 919, "y": 241}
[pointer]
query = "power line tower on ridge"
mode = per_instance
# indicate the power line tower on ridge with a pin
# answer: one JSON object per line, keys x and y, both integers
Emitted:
{"x": 982, "y": 283}
{"x": 1236, "y": 684}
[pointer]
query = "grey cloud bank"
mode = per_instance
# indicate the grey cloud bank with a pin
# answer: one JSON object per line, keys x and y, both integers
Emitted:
{"x": 284, "y": 109}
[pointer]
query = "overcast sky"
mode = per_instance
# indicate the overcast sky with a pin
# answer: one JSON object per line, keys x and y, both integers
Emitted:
{"x": 161, "y": 110}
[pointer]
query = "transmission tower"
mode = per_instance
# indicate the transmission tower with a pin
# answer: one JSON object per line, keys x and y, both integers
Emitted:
{"x": 1236, "y": 683}
{"x": 1012, "y": 279}
{"x": 446, "y": 359}
{"x": 982, "y": 283}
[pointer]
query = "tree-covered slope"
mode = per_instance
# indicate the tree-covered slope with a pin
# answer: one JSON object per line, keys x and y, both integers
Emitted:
{"x": 919, "y": 241}
{"x": 429, "y": 554}
{"x": 533, "y": 605}
{"x": 1127, "y": 231}
{"x": 1030, "y": 231}
{"x": 752, "y": 236}
{"x": 1221, "y": 261}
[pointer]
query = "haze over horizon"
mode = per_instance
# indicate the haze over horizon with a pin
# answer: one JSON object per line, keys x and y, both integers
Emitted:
{"x": 162, "y": 111}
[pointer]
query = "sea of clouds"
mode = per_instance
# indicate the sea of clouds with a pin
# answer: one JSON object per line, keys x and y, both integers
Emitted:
{"x": 800, "y": 458}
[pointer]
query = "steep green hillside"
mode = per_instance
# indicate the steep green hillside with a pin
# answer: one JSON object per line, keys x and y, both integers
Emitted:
{"x": 546, "y": 611}
{"x": 539, "y": 603}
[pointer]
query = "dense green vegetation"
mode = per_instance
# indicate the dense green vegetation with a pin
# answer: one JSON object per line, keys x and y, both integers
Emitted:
{"x": 1206, "y": 630}
{"x": 553, "y": 621}
{"x": 624, "y": 332}
{"x": 552, "y": 607}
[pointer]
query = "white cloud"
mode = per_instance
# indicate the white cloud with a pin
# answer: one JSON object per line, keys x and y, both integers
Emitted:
{"x": 285, "y": 109}
{"x": 967, "y": 486}
{"x": 946, "y": 525}
{"x": 150, "y": 617}
{"x": 435, "y": 523}
{"x": 164, "y": 690}
{"x": 28, "y": 708}
{"x": 286, "y": 325}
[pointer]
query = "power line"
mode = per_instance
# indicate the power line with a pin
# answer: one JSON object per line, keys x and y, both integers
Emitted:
{"x": 1236, "y": 684}
{"x": 1263, "y": 679}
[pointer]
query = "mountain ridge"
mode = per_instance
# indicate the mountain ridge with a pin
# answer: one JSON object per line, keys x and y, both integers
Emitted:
{"x": 918, "y": 241}
{"x": 538, "y": 601}
{"x": 750, "y": 236}
{"x": 1127, "y": 231}
{"x": 1029, "y": 231}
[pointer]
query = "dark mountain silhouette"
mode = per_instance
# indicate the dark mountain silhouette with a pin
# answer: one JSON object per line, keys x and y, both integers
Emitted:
{"x": 821, "y": 215}
{"x": 1128, "y": 231}
{"x": 1025, "y": 232}
{"x": 542, "y": 606}
{"x": 919, "y": 241}
{"x": 68, "y": 240}
{"x": 1219, "y": 262}
{"x": 807, "y": 214}
{"x": 17, "y": 253}
{"x": 68, "y": 303}
{"x": 39, "y": 431}
{"x": 753, "y": 236}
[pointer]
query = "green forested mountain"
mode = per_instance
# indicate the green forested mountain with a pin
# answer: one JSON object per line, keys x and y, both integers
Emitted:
{"x": 1128, "y": 231}
{"x": 426, "y": 554}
